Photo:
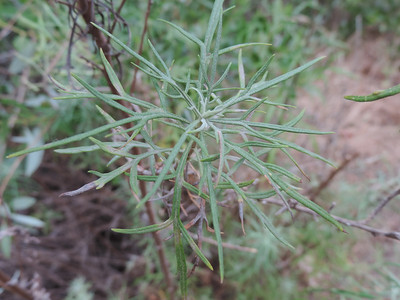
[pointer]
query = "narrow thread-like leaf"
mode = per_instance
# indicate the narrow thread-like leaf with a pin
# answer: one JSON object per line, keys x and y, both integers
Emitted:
{"x": 186, "y": 34}
{"x": 193, "y": 245}
{"x": 266, "y": 222}
{"x": 308, "y": 203}
{"x": 258, "y": 87}
{"x": 75, "y": 138}
{"x": 176, "y": 207}
{"x": 146, "y": 229}
{"x": 167, "y": 164}
{"x": 240, "y": 46}
{"x": 111, "y": 74}
{"x": 102, "y": 96}
{"x": 215, "y": 217}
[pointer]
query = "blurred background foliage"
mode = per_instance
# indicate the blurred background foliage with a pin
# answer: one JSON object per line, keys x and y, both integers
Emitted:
{"x": 35, "y": 43}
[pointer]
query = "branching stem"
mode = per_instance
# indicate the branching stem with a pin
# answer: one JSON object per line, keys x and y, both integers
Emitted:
{"x": 145, "y": 27}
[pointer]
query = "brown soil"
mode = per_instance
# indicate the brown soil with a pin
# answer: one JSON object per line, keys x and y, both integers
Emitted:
{"x": 80, "y": 242}
{"x": 371, "y": 130}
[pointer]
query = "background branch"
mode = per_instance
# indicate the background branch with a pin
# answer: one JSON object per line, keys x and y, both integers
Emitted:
{"x": 145, "y": 26}
{"x": 357, "y": 224}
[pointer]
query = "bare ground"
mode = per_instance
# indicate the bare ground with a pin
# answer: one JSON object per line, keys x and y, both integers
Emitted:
{"x": 366, "y": 133}
{"x": 371, "y": 130}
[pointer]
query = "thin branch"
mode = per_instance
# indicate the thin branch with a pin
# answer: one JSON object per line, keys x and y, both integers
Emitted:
{"x": 323, "y": 184}
{"x": 381, "y": 205}
{"x": 374, "y": 231}
{"x": 156, "y": 237}
{"x": 13, "y": 288}
{"x": 160, "y": 248}
{"x": 145, "y": 26}
{"x": 86, "y": 8}
{"x": 225, "y": 245}
{"x": 115, "y": 18}
{"x": 357, "y": 224}
{"x": 200, "y": 235}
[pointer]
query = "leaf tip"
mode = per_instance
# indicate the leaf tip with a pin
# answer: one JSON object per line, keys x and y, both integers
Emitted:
{"x": 87, "y": 187}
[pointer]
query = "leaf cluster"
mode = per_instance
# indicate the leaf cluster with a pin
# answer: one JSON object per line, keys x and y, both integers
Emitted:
{"x": 218, "y": 136}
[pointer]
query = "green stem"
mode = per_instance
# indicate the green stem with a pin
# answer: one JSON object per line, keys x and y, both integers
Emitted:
{"x": 376, "y": 95}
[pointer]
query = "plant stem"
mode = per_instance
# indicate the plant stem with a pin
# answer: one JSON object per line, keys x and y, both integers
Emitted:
{"x": 115, "y": 19}
{"x": 142, "y": 184}
{"x": 156, "y": 237}
{"x": 12, "y": 288}
{"x": 145, "y": 26}
{"x": 159, "y": 244}
{"x": 87, "y": 12}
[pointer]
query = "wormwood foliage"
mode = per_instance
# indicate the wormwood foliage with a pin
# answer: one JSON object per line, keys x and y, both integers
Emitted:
{"x": 376, "y": 95}
{"x": 217, "y": 136}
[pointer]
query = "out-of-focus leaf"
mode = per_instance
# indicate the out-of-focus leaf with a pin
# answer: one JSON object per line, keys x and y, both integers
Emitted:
{"x": 27, "y": 220}
{"x": 25, "y": 50}
{"x": 21, "y": 219}
{"x": 21, "y": 203}
{"x": 146, "y": 229}
{"x": 5, "y": 242}
{"x": 33, "y": 161}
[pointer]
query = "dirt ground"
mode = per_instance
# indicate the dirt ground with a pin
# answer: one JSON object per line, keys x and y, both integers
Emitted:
{"x": 366, "y": 133}
{"x": 80, "y": 243}
{"x": 371, "y": 130}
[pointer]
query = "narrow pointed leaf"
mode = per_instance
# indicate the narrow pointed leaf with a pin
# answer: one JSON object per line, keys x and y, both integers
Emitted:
{"x": 146, "y": 229}
{"x": 167, "y": 164}
{"x": 111, "y": 150}
{"x": 260, "y": 72}
{"x": 103, "y": 97}
{"x": 266, "y": 222}
{"x": 130, "y": 51}
{"x": 75, "y": 138}
{"x": 105, "y": 178}
{"x": 261, "y": 195}
{"x": 215, "y": 218}
{"x": 308, "y": 203}
{"x": 159, "y": 58}
{"x": 186, "y": 34}
{"x": 242, "y": 79}
{"x": 215, "y": 16}
{"x": 258, "y": 87}
{"x": 223, "y": 76}
{"x": 240, "y": 46}
{"x": 111, "y": 74}
{"x": 195, "y": 190}
{"x": 193, "y": 245}
{"x": 175, "y": 214}
{"x": 87, "y": 187}
{"x": 215, "y": 56}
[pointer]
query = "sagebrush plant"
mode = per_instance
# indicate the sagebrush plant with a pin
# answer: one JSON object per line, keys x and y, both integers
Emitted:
{"x": 218, "y": 136}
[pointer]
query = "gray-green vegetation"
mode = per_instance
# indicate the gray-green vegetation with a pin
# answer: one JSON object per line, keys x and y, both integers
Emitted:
{"x": 218, "y": 105}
